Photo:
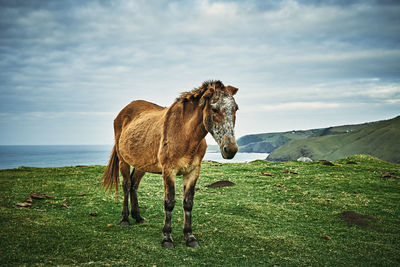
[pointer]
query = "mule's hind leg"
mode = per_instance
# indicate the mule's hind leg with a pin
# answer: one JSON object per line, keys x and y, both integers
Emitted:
{"x": 136, "y": 177}
{"x": 126, "y": 185}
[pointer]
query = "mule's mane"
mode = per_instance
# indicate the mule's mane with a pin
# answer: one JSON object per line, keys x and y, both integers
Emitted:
{"x": 197, "y": 93}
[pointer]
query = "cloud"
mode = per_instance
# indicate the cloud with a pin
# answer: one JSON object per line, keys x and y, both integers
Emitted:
{"x": 38, "y": 116}
{"x": 97, "y": 56}
{"x": 393, "y": 101}
{"x": 300, "y": 105}
{"x": 384, "y": 92}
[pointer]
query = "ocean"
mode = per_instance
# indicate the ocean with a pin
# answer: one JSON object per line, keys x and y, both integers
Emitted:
{"x": 59, "y": 156}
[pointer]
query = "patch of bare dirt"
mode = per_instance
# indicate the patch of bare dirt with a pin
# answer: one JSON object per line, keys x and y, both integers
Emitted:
{"x": 326, "y": 237}
{"x": 214, "y": 163}
{"x": 389, "y": 175}
{"x": 267, "y": 174}
{"x": 31, "y": 198}
{"x": 39, "y": 196}
{"x": 327, "y": 163}
{"x": 220, "y": 184}
{"x": 66, "y": 203}
{"x": 289, "y": 172}
{"x": 354, "y": 218}
{"x": 24, "y": 204}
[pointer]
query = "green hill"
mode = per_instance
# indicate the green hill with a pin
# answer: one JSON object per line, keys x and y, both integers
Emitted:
{"x": 380, "y": 139}
{"x": 267, "y": 142}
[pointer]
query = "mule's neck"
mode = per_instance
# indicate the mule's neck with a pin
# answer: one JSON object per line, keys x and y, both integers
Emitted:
{"x": 193, "y": 120}
{"x": 187, "y": 120}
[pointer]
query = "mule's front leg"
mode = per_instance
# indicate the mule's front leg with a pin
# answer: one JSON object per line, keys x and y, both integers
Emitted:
{"x": 169, "y": 204}
{"x": 188, "y": 197}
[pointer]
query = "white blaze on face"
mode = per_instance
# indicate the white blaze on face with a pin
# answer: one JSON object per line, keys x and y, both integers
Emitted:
{"x": 223, "y": 107}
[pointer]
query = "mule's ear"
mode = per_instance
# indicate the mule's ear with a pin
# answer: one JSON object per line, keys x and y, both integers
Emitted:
{"x": 231, "y": 89}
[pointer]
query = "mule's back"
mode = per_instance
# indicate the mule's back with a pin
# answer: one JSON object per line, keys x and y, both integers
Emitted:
{"x": 132, "y": 111}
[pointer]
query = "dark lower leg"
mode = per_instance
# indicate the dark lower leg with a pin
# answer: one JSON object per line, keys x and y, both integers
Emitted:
{"x": 188, "y": 206}
{"x": 126, "y": 184}
{"x": 125, "y": 209}
{"x": 169, "y": 204}
{"x": 136, "y": 176}
{"x": 135, "y": 207}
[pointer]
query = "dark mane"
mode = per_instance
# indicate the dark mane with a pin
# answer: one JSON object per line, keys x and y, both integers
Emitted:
{"x": 197, "y": 93}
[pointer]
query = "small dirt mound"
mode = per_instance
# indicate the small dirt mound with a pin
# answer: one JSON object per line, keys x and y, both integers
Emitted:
{"x": 389, "y": 175}
{"x": 220, "y": 184}
{"x": 39, "y": 195}
{"x": 32, "y": 197}
{"x": 354, "y": 218}
{"x": 214, "y": 163}
{"x": 326, "y": 163}
{"x": 267, "y": 174}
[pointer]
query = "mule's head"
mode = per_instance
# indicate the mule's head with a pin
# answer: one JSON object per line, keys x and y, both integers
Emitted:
{"x": 219, "y": 115}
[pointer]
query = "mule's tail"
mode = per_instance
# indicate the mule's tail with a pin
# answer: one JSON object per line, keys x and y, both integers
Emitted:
{"x": 111, "y": 174}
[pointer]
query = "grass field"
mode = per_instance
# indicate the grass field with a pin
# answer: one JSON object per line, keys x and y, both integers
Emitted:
{"x": 289, "y": 219}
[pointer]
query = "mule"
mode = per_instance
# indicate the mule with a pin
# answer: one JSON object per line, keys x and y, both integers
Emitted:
{"x": 170, "y": 141}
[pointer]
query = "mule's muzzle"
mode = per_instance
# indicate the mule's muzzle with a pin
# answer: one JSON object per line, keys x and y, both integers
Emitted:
{"x": 229, "y": 150}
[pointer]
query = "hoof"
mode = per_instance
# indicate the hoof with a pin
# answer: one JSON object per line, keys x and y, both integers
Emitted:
{"x": 124, "y": 223}
{"x": 192, "y": 242}
{"x": 140, "y": 220}
{"x": 167, "y": 244}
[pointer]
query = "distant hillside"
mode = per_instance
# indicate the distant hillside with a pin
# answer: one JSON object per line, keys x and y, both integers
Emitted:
{"x": 267, "y": 142}
{"x": 380, "y": 139}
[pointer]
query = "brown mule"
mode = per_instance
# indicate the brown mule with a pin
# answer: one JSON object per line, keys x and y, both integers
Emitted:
{"x": 170, "y": 141}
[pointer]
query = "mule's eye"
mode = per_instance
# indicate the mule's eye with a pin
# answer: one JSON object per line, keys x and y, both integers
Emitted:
{"x": 215, "y": 110}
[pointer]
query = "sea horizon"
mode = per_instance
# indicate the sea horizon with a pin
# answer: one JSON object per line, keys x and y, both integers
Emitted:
{"x": 15, "y": 156}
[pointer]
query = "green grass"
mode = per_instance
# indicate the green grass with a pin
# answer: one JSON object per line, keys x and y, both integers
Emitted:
{"x": 287, "y": 219}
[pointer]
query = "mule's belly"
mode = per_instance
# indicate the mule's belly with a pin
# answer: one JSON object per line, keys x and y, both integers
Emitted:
{"x": 139, "y": 144}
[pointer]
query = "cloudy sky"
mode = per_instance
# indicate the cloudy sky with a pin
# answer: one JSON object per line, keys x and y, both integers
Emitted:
{"x": 68, "y": 67}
